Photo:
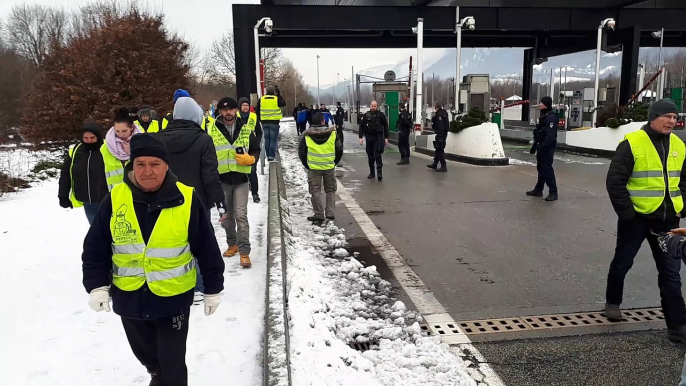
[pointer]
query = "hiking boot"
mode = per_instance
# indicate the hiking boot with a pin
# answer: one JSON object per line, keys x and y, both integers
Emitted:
{"x": 315, "y": 218}
{"x": 442, "y": 169}
{"x": 371, "y": 175}
{"x": 534, "y": 193}
{"x": 612, "y": 312}
{"x": 231, "y": 252}
{"x": 432, "y": 166}
{"x": 255, "y": 197}
{"x": 677, "y": 334}
{"x": 551, "y": 197}
{"x": 198, "y": 297}
{"x": 245, "y": 261}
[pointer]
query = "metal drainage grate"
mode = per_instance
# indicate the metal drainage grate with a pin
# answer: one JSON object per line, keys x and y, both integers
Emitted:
{"x": 581, "y": 319}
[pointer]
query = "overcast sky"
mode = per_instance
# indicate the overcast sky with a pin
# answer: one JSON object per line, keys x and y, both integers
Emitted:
{"x": 202, "y": 21}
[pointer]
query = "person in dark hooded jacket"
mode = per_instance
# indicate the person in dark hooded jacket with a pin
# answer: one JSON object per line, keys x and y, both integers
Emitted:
{"x": 545, "y": 142}
{"x": 315, "y": 154}
{"x": 82, "y": 181}
{"x": 244, "y": 107}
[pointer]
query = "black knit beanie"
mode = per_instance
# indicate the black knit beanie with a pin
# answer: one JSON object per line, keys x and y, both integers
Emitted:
{"x": 547, "y": 102}
{"x": 661, "y": 107}
{"x": 147, "y": 145}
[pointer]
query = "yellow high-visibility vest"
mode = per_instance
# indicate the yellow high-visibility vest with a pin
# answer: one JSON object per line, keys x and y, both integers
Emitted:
{"x": 114, "y": 169}
{"x": 72, "y": 150}
{"x": 226, "y": 152}
{"x": 646, "y": 184}
{"x": 269, "y": 108}
{"x": 321, "y": 157}
{"x": 153, "y": 128}
{"x": 165, "y": 263}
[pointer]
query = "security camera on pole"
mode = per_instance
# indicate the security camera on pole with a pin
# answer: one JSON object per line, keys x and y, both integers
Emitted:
{"x": 608, "y": 23}
{"x": 470, "y": 23}
{"x": 268, "y": 28}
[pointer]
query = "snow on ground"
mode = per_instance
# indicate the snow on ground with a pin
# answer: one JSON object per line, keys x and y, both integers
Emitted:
{"x": 51, "y": 337}
{"x": 335, "y": 300}
{"x": 19, "y": 161}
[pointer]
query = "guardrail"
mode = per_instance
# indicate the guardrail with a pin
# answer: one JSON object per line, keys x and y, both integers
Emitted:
{"x": 277, "y": 369}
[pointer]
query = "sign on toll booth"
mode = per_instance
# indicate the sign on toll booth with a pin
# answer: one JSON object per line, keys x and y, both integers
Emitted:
{"x": 389, "y": 76}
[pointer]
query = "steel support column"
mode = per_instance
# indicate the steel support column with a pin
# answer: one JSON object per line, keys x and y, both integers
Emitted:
{"x": 631, "y": 39}
{"x": 527, "y": 80}
{"x": 244, "y": 45}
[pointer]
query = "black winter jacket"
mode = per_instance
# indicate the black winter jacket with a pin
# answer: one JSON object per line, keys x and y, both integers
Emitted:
{"x": 319, "y": 134}
{"x": 374, "y": 124}
{"x": 193, "y": 159}
{"x": 618, "y": 176}
{"x": 404, "y": 123}
{"x": 440, "y": 124}
{"x": 545, "y": 134}
{"x": 340, "y": 113}
{"x": 141, "y": 303}
{"x": 235, "y": 178}
{"x": 90, "y": 184}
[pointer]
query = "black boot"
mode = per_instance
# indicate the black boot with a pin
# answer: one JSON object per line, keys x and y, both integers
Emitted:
{"x": 535, "y": 193}
{"x": 442, "y": 169}
{"x": 256, "y": 197}
{"x": 379, "y": 174}
{"x": 402, "y": 162}
{"x": 551, "y": 197}
{"x": 371, "y": 173}
{"x": 432, "y": 166}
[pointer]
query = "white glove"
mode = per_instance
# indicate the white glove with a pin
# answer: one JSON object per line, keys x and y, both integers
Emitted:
{"x": 211, "y": 303}
{"x": 100, "y": 299}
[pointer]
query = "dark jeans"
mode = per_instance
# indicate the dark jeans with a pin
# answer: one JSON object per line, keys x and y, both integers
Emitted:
{"x": 375, "y": 148}
{"x": 91, "y": 210}
{"x": 546, "y": 174}
{"x": 252, "y": 178}
{"x": 439, "y": 152}
{"x": 302, "y": 126}
{"x": 630, "y": 236}
{"x": 271, "y": 139}
{"x": 404, "y": 145}
{"x": 160, "y": 345}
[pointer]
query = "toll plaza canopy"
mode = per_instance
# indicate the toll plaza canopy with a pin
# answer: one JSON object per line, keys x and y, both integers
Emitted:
{"x": 544, "y": 28}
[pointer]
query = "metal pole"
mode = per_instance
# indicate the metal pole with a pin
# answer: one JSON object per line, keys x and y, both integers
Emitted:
{"x": 661, "y": 85}
{"x": 420, "y": 69}
{"x": 458, "y": 29}
{"x": 318, "y": 103}
{"x": 552, "y": 83}
{"x": 257, "y": 58}
{"x": 333, "y": 99}
{"x": 352, "y": 77}
{"x": 295, "y": 92}
{"x": 597, "y": 76}
{"x": 502, "y": 113}
{"x": 641, "y": 79}
{"x": 433, "y": 82}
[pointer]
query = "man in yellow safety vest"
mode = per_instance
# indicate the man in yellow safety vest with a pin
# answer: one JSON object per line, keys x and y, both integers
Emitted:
{"x": 320, "y": 150}
{"x": 237, "y": 150}
{"x": 148, "y": 239}
{"x": 646, "y": 183}
{"x": 146, "y": 123}
{"x": 269, "y": 111}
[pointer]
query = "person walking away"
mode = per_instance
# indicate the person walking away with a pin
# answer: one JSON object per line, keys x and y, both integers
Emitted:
{"x": 116, "y": 149}
{"x": 146, "y": 123}
{"x": 246, "y": 115}
{"x": 374, "y": 130}
{"x": 320, "y": 150}
{"x": 313, "y": 110}
{"x": 269, "y": 112}
{"x": 338, "y": 119}
{"x": 545, "y": 142}
{"x": 140, "y": 251}
{"x": 237, "y": 148}
{"x": 193, "y": 160}
{"x": 302, "y": 119}
{"x": 404, "y": 126}
{"x": 133, "y": 113}
{"x": 440, "y": 125}
{"x": 646, "y": 183}
{"x": 180, "y": 93}
{"x": 82, "y": 180}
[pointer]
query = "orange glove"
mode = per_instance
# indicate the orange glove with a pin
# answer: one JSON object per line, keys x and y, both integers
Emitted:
{"x": 245, "y": 159}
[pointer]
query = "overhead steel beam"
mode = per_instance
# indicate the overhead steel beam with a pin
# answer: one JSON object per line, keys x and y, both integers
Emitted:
{"x": 622, "y": 3}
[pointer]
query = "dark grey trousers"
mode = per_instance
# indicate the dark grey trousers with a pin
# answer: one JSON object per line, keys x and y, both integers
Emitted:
{"x": 315, "y": 180}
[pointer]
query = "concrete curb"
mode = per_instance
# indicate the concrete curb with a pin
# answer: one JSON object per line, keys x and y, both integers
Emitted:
{"x": 277, "y": 369}
{"x": 572, "y": 149}
{"x": 468, "y": 160}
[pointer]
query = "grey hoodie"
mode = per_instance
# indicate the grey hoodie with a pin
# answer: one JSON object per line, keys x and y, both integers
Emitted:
{"x": 187, "y": 109}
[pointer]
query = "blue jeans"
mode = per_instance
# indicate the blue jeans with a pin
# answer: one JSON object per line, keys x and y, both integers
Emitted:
{"x": 91, "y": 210}
{"x": 271, "y": 139}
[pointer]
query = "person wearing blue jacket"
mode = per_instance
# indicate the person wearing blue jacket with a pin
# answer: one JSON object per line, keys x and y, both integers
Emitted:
{"x": 545, "y": 142}
{"x": 301, "y": 118}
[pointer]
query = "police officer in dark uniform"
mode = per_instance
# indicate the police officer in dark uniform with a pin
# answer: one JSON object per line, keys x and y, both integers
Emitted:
{"x": 439, "y": 125}
{"x": 545, "y": 141}
{"x": 404, "y": 127}
{"x": 374, "y": 129}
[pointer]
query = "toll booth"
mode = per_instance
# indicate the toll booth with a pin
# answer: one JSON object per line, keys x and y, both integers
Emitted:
{"x": 475, "y": 90}
{"x": 392, "y": 93}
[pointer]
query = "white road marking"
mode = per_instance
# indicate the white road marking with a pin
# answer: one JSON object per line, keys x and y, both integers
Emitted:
{"x": 421, "y": 296}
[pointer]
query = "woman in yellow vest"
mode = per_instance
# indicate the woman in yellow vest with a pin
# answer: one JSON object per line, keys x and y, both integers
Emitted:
{"x": 116, "y": 149}
{"x": 142, "y": 250}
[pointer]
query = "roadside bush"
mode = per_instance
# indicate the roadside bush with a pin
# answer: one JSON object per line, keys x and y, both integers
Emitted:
{"x": 10, "y": 184}
{"x": 474, "y": 117}
{"x": 612, "y": 123}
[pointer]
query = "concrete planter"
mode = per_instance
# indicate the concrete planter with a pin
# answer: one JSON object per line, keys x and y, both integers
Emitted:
{"x": 601, "y": 138}
{"x": 479, "y": 145}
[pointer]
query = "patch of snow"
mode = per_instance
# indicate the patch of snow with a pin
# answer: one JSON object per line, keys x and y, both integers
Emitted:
{"x": 53, "y": 338}
{"x": 335, "y": 301}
